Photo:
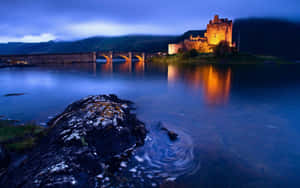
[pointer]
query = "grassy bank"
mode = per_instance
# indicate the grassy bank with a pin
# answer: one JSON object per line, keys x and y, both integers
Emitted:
{"x": 18, "y": 138}
{"x": 212, "y": 59}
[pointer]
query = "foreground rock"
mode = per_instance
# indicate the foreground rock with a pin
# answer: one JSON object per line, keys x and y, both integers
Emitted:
{"x": 84, "y": 146}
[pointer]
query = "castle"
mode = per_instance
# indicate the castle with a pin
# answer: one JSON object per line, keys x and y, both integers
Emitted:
{"x": 217, "y": 30}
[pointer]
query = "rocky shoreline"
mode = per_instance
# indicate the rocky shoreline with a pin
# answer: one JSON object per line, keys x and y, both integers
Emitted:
{"x": 83, "y": 147}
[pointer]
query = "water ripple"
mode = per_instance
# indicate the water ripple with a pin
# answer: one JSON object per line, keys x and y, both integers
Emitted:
{"x": 167, "y": 159}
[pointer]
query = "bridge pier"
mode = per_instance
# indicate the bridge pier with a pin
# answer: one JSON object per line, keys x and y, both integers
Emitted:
{"x": 143, "y": 56}
{"x": 94, "y": 56}
{"x": 130, "y": 56}
{"x": 111, "y": 56}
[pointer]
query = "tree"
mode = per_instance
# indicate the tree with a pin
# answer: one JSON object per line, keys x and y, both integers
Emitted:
{"x": 222, "y": 49}
{"x": 191, "y": 53}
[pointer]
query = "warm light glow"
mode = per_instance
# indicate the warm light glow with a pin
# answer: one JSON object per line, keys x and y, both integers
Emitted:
{"x": 215, "y": 82}
{"x": 126, "y": 66}
{"x": 218, "y": 30}
{"x": 217, "y": 86}
{"x": 174, "y": 48}
{"x": 106, "y": 57}
{"x": 107, "y": 67}
{"x": 140, "y": 58}
{"x": 173, "y": 73}
{"x": 139, "y": 67}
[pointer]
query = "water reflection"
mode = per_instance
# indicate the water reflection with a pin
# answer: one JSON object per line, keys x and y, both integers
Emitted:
{"x": 217, "y": 86}
{"x": 123, "y": 67}
{"x": 254, "y": 135}
{"x": 107, "y": 67}
{"x": 139, "y": 67}
{"x": 120, "y": 67}
{"x": 214, "y": 81}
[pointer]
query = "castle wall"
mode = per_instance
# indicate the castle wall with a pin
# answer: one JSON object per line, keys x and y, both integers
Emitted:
{"x": 219, "y": 30}
{"x": 174, "y": 48}
{"x": 201, "y": 46}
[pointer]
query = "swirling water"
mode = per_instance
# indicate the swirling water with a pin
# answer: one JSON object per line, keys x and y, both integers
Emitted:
{"x": 238, "y": 125}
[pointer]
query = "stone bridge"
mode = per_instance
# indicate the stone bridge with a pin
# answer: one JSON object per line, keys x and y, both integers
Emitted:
{"x": 87, "y": 57}
{"x": 109, "y": 56}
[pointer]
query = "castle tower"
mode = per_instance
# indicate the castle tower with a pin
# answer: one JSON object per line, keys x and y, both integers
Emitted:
{"x": 219, "y": 30}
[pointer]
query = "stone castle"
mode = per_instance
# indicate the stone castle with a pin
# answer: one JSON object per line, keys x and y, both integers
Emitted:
{"x": 217, "y": 30}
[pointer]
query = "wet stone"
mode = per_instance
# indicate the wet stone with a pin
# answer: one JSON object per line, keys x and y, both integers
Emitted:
{"x": 172, "y": 135}
{"x": 80, "y": 147}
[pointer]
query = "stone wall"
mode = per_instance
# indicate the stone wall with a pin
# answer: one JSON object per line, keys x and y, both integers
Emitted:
{"x": 219, "y": 30}
{"x": 201, "y": 46}
{"x": 174, "y": 48}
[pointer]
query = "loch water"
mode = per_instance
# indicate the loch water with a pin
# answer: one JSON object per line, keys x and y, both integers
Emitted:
{"x": 238, "y": 125}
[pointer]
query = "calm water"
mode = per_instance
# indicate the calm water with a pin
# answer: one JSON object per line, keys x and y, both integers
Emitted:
{"x": 239, "y": 125}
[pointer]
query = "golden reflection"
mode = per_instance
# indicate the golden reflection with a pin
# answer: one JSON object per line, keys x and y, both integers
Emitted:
{"x": 123, "y": 67}
{"x": 126, "y": 66}
{"x": 214, "y": 81}
{"x": 173, "y": 73}
{"x": 139, "y": 67}
{"x": 217, "y": 86}
{"x": 107, "y": 67}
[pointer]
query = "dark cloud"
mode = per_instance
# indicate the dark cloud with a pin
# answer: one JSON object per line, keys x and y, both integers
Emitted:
{"x": 65, "y": 19}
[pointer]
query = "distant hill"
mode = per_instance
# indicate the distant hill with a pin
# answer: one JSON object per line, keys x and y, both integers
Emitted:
{"x": 258, "y": 36}
{"x": 273, "y": 37}
{"x": 145, "y": 43}
{"x": 268, "y": 37}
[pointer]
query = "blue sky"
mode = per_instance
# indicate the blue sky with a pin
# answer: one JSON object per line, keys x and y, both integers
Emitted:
{"x": 44, "y": 20}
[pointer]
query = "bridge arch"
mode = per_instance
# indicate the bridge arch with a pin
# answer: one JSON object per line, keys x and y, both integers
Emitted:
{"x": 108, "y": 59}
{"x": 124, "y": 57}
{"x": 139, "y": 57}
{"x": 127, "y": 56}
{"x": 106, "y": 55}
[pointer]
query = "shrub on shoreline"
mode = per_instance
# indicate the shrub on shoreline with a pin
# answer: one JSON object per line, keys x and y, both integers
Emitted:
{"x": 18, "y": 138}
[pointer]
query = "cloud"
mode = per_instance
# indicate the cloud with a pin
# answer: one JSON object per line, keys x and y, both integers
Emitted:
{"x": 42, "y": 20}
{"x": 98, "y": 28}
{"x": 45, "y": 37}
